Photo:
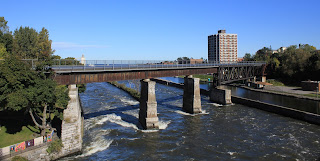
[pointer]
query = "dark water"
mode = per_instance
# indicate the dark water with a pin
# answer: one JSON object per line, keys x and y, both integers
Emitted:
{"x": 233, "y": 132}
{"x": 299, "y": 104}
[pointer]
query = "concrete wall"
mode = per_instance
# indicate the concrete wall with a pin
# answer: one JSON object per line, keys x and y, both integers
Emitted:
{"x": 289, "y": 112}
{"x": 222, "y": 96}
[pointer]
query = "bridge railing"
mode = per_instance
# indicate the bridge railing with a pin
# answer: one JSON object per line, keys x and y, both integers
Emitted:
{"x": 101, "y": 65}
{"x": 88, "y": 65}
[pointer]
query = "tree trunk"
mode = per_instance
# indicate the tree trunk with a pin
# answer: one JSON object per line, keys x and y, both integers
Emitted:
{"x": 44, "y": 120}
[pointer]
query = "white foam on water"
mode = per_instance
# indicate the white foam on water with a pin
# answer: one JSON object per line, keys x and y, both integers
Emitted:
{"x": 117, "y": 119}
{"x": 129, "y": 102}
{"x": 203, "y": 112}
{"x": 132, "y": 138}
{"x": 231, "y": 153}
{"x": 215, "y": 104}
{"x": 183, "y": 113}
{"x": 102, "y": 121}
{"x": 95, "y": 147}
{"x": 295, "y": 140}
{"x": 98, "y": 143}
{"x": 164, "y": 124}
{"x": 149, "y": 131}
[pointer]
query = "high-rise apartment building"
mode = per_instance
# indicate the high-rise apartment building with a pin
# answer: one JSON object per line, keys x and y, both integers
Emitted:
{"x": 223, "y": 47}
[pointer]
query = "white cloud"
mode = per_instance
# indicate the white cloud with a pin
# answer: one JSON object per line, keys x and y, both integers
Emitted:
{"x": 70, "y": 45}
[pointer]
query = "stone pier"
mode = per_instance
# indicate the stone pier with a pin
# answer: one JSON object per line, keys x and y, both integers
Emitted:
{"x": 148, "y": 105}
{"x": 220, "y": 95}
{"x": 191, "y": 95}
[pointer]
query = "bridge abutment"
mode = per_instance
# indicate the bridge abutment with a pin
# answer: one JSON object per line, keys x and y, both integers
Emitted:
{"x": 220, "y": 95}
{"x": 148, "y": 105}
{"x": 191, "y": 95}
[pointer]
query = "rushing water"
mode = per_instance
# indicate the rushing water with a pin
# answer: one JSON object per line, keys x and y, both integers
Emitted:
{"x": 112, "y": 131}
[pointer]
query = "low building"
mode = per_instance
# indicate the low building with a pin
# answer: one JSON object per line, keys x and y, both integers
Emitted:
{"x": 196, "y": 61}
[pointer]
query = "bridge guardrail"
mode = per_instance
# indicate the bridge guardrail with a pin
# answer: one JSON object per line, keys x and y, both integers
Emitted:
{"x": 101, "y": 65}
{"x": 104, "y": 65}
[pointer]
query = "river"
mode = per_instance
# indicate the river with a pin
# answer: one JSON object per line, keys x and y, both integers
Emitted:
{"x": 237, "y": 132}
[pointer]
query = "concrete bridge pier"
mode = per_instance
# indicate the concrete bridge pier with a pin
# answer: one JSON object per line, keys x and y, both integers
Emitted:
{"x": 220, "y": 95}
{"x": 148, "y": 105}
{"x": 191, "y": 95}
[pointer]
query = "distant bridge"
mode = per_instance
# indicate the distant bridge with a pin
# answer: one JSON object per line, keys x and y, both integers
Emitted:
{"x": 73, "y": 72}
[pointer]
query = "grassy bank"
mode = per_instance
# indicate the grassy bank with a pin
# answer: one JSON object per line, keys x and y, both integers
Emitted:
{"x": 275, "y": 82}
{"x": 132, "y": 92}
{"x": 313, "y": 95}
{"x": 203, "y": 77}
{"x": 27, "y": 133}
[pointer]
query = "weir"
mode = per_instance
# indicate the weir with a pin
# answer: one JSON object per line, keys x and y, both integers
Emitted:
{"x": 221, "y": 96}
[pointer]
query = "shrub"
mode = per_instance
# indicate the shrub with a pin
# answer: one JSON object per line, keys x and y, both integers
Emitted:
{"x": 19, "y": 158}
{"x": 55, "y": 146}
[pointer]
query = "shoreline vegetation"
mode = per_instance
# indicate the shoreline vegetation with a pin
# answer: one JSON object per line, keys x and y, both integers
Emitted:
{"x": 132, "y": 92}
{"x": 203, "y": 77}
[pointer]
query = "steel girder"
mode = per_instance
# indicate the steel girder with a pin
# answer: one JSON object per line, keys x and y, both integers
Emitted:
{"x": 235, "y": 73}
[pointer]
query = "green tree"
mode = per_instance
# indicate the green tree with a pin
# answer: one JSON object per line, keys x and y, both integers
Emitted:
{"x": 32, "y": 91}
{"x": 307, "y": 47}
{"x": 263, "y": 54}
{"x": 3, "y": 25}
{"x": 313, "y": 66}
{"x": 25, "y": 43}
{"x": 247, "y": 57}
{"x": 44, "y": 45}
{"x": 183, "y": 60}
{"x": 5, "y": 35}
{"x": 3, "y": 51}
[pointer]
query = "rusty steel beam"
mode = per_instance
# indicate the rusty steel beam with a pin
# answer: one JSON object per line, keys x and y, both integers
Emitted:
{"x": 108, "y": 76}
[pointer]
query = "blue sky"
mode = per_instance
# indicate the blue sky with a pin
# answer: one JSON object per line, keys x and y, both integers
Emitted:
{"x": 164, "y": 29}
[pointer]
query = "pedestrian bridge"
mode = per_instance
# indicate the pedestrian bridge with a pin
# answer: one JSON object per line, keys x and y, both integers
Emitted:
{"x": 73, "y": 72}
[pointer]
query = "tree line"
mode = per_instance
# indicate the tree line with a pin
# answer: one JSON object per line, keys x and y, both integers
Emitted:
{"x": 291, "y": 66}
{"x": 26, "y": 88}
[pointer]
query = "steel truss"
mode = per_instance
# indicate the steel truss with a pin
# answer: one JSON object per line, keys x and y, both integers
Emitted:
{"x": 230, "y": 74}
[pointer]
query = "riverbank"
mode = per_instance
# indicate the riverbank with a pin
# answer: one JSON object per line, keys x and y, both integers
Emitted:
{"x": 277, "y": 91}
{"x": 132, "y": 92}
{"x": 203, "y": 78}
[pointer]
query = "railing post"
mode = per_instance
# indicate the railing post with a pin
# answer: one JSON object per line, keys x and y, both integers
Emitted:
{"x": 104, "y": 67}
{"x": 112, "y": 64}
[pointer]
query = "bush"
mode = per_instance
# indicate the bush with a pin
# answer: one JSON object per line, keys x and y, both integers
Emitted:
{"x": 81, "y": 88}
{"x": 19, "y": 158}
{"x": 55, "y": 146}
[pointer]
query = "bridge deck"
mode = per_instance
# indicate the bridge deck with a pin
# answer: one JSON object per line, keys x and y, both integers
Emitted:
{"x": 79, "y": 74}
